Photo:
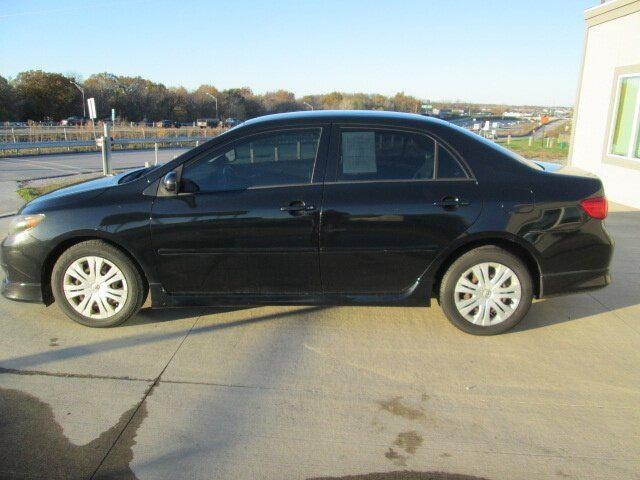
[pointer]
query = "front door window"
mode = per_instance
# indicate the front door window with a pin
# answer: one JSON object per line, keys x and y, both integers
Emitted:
{"x": 273, "y": 159}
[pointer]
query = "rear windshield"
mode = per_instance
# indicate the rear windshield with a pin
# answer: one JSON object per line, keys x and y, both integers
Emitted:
{"x": 499, "y": 148}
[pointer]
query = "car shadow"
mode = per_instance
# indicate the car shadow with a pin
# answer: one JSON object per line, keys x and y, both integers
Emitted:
{"x": 158, "y": 315}
{"x": 121, "y": 343}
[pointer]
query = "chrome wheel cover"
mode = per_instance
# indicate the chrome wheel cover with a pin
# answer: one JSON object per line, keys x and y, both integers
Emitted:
{"x": 95, "y": 287}
{"x": 487, "y": 294}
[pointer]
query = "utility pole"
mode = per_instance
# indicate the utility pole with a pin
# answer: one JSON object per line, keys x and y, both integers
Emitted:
{"x": 84, "y": 108}
{"x": 216, "y": 100}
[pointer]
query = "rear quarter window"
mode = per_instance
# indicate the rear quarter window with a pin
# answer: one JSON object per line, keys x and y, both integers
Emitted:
{"x": 448, "y": 166}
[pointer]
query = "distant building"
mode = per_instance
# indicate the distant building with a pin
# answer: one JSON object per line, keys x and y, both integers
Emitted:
{"x": 517, "y": 114}
{"x": 606, "y": 134}
{"x": 561, "y": 113}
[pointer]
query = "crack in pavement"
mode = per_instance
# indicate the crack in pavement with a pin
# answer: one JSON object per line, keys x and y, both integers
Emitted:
{"x": 15, "y": 371}
{"x": 141, "y": 405}
{"x": 156, "y": 380}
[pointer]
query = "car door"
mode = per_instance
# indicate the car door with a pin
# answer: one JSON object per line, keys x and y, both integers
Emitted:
{"x": 245, "y": 219}
{"x": 394, "y": 198}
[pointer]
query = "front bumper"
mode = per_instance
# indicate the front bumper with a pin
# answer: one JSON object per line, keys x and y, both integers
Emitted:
{"x": 22, "y": 264}
{"x": 22, "y": 292}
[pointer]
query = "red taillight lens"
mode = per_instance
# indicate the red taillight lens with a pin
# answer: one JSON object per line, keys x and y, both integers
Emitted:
{"x": 595, "y": 207}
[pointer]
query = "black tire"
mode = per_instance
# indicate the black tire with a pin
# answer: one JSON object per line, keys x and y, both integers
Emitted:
{"x": 488, "y": 253}
{"x": 134, "y": 282}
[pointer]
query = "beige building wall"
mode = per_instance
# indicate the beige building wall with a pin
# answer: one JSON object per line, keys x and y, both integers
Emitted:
{"x": 612, "y": 47}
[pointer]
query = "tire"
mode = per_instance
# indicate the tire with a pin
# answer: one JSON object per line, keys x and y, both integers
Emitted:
{"x": 108, "y": 303}
{"x": 492, "y": 309}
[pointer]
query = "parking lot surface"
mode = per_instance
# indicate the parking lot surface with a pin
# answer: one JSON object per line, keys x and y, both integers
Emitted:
{"x": 328, "y": 392}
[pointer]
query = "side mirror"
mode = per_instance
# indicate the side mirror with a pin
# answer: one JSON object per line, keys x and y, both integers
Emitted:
{"x": 170, "y": 182}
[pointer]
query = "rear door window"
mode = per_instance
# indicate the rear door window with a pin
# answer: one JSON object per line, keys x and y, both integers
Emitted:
{"x": 378, "y": 154}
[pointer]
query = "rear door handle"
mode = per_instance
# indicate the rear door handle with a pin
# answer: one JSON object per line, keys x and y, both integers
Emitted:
{"x": 297, "y": 206}
{"x": 451, "y": 203}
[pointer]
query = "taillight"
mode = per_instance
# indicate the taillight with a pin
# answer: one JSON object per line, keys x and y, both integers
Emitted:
{"x": 595, "y": 207}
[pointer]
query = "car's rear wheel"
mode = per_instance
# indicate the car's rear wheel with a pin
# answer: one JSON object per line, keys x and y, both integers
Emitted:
{"x": 486, "y": 291}
{"x": 97, "y": 285}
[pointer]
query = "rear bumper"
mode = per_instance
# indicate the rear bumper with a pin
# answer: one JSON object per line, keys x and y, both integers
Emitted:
{"x": 22, "y": 292}
{"x": 571, "y": 282}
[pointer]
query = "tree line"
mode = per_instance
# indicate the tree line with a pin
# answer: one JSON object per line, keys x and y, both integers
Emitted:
{"x": 44, "y": 96}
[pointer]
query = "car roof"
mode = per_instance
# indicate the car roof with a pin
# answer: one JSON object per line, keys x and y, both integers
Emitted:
{"x": 347, "y": 116}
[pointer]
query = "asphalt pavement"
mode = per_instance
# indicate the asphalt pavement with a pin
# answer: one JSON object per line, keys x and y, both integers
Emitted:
{"x": 14, "y": 170}
{"x": 43, "y": 166}
{"x": 328, "y": 392}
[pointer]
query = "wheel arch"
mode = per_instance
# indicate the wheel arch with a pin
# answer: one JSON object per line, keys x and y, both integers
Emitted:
{"x": 68, "y": 242}
{"x": 510, "y": 244}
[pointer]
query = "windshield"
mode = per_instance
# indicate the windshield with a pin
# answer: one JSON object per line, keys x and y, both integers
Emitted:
{"x": 135, "y": 174}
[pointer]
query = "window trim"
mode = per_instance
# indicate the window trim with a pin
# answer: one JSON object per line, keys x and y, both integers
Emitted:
{"x": 220, "y": 149}
{"x": 629, "y": 159}
{"x": 469, "y": 176}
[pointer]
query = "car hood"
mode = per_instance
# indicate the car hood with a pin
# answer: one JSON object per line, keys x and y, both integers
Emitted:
{"x": 73, "y": 193}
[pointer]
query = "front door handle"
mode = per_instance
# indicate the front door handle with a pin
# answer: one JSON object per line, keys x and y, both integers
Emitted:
{"x": 297, "y": 207}
{"x": 451, "y": 203}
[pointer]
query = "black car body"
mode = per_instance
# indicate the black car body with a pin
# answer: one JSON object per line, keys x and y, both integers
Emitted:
{"x": 325, "y": 228}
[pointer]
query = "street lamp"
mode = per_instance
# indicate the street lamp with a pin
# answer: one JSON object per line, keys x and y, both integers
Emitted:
{"x": 308, "y": 105}
{"x": 216, "y": 100}
{"x": 84, "y": 107}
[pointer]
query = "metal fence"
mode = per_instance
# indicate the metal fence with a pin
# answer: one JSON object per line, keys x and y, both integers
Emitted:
{"x": 36, "y": 139}
{"x": 70, "y": 144}
{"x": 40, "y": 133}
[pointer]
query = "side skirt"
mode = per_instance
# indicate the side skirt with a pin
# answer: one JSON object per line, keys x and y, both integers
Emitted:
{"x": 418, "y": 295}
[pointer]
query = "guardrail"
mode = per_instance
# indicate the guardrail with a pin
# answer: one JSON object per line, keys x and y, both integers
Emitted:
{"x": 17, "y": 146}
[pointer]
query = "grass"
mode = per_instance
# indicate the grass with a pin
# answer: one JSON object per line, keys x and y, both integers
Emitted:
{"x": 537, "y": 149}
{"x": 29, "y": 193}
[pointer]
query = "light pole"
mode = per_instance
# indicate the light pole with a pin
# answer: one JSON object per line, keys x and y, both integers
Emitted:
{"x": 308, "y": 105}
{"x": 216, "y": 100}
{"x": 84, "y": 106}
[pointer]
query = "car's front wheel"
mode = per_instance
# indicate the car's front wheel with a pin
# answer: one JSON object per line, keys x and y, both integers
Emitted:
{"x": 97, "y": 285}
{"x": 486, "y": 291}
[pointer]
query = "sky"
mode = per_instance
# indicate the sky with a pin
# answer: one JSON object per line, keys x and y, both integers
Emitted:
{"x": 486, "y": 51}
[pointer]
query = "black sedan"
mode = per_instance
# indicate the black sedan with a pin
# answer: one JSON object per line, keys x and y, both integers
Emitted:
{"x": 318, "y": 208}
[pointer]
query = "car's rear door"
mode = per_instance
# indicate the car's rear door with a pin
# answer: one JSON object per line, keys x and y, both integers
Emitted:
{"x": 246, "y": 217}
{"x": 394, "y": 198}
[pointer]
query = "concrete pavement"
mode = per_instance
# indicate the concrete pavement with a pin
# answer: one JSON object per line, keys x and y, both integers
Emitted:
{"x": 335, "y": 392}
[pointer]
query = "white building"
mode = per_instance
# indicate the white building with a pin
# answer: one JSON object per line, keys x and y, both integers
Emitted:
{"x": 606, "y": 134}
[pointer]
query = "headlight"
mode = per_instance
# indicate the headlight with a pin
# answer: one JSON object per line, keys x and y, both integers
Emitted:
{"x": 23, "y": 223}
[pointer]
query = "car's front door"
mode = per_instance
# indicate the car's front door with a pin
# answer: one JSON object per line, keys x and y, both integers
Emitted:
{"x": 394, "y": 199}
{"x": 245, "y": 218}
